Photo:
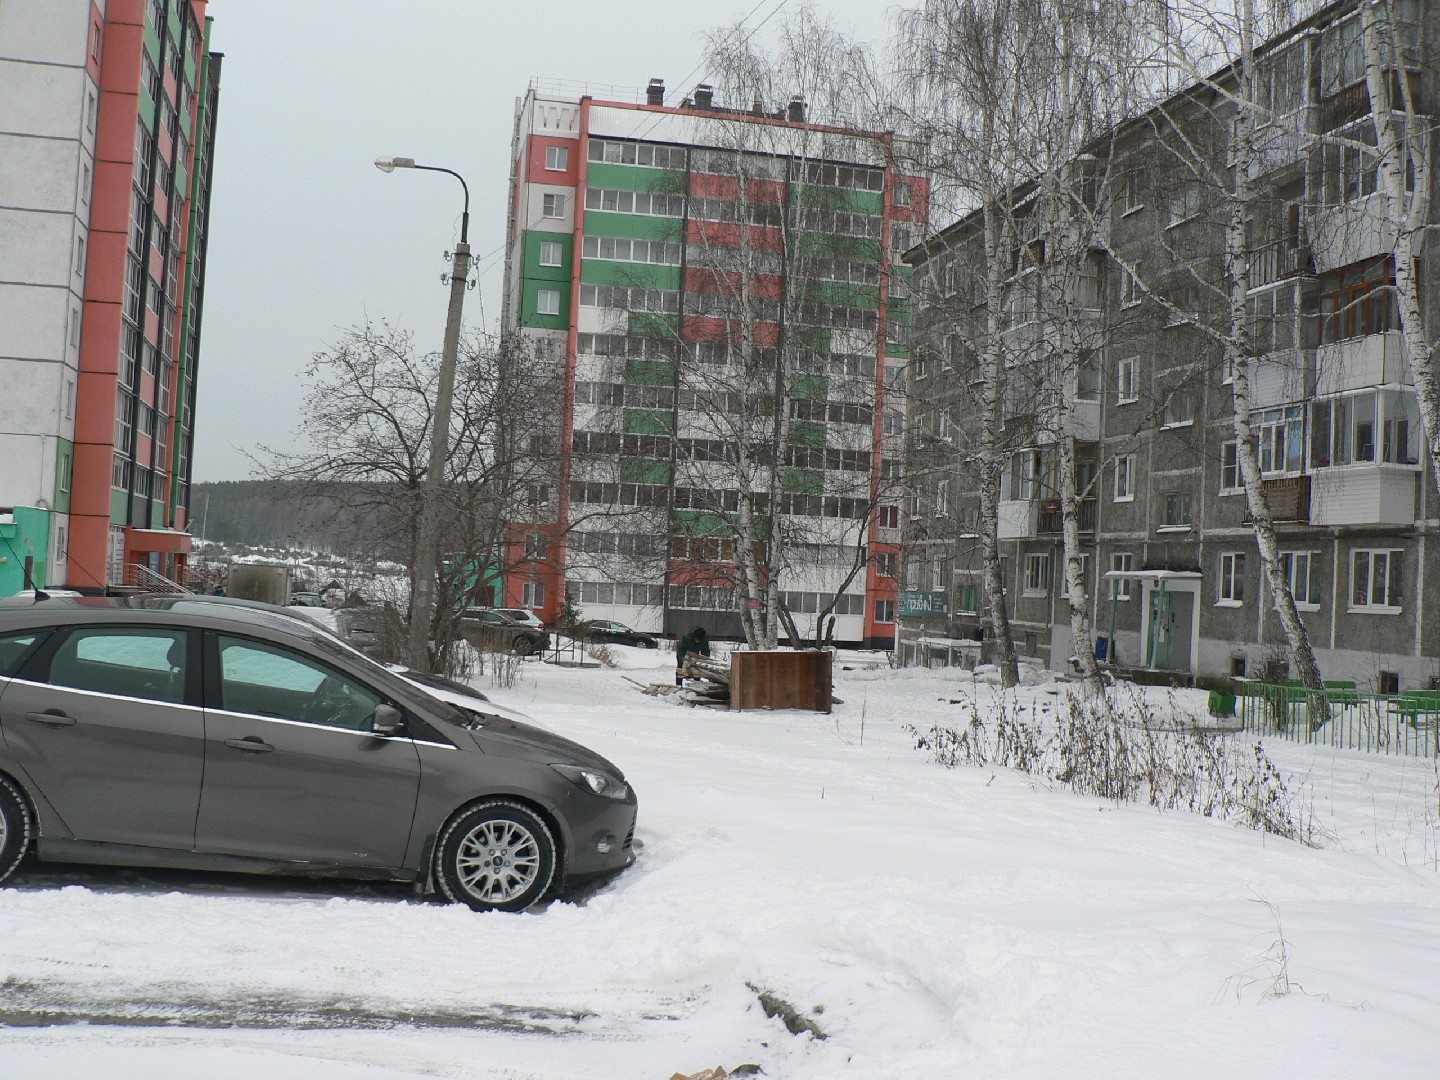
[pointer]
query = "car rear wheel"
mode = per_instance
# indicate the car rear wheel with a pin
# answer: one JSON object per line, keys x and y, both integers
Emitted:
{"x": 523, "y": 645}
{"x": 647, "y": 644}
{"x": 497, "y": 856}
{"x": 14, "y": 827}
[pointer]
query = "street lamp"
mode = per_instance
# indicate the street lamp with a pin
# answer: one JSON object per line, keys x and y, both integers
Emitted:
{"x": 422, "y": 597}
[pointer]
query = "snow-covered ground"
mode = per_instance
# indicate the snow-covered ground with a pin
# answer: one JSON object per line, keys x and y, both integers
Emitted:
{"x": 934, "y": 923}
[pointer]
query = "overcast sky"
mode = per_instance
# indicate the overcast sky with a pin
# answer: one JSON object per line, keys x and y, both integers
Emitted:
{"x": 308, "y": 237}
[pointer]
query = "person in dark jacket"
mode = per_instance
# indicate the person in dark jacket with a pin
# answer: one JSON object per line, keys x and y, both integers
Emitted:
{"x": 695, "y": 641}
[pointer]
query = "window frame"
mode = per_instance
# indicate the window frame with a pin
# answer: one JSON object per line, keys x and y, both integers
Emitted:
{"x": 1125, "y": 377}
{"x": 560, "y": 153}
{"x": 1393, "y": 580}
{"x": 1038, "y": 574}
{"x": 556, "y": 247}
{"x": 552, "y": 205}
{"x": 540, "y": 298}
{"x": 1230, "y": 583}
{"x": 1290, "y": 561}
{"x": 1124, "y": 466}
{"x": 1123, "y": 561}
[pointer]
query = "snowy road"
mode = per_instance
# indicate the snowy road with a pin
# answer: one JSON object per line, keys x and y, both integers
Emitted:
{"x": 934, "y": 923}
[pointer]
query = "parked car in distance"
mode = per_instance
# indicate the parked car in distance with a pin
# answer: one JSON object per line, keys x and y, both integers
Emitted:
{"x": 187, "y": 733}
{"x": 307, "y": 599}
{"x": 487, "y": 628}
{"x": 606, "y": 632}
{"x": 523, "y": 616}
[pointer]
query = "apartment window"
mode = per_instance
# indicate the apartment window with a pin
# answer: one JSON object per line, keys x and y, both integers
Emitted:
{"x": 1232, "y": 578}
{"x": 1358, "y": 300}
{"x": 553, "y": 206}
{"x": 551, "y": 252}
{"x": 1037, "y": 574}
{"x": 536, "y": 546}
{"x": 1375, "y": 580}
{"x": 1302, "y": 571}
{"x": 1125, "y": 478}
{"x": 63, "y": 480}
{"x": 1129, "y": 290}
{"x": 1176, "y": 510}
{"x": 1121, "y": 562}
{"x": 533, "y": 594}
{"x": 902, "y": 193}
{"x": 1129, "y": 198}
{"x": 1125, "y": 388}
{"x": 1179, "y": 409}
{"x": 1024, "y": 475}
{"x": 74, "y": 327}
{"x": 547, "y": 302}
{"x": 887, "y": 564}
{"x": 1230, "y": 482}
{"x": 942, "y": 499}
{"x": 1184, "y": 202}
{"x": 888, "y": 517}
{"x": 80, "y": 256}
{"x": 557, "y": 158}
{"x": 1087, "y": 377}
{"x": 884, "y": 611}
{"x": 967, "y": 595}
{"x": 1280, "y": 440}
{"x": 69, "y": 399}
{"x": 937, "y": 575}
{"x": 85, "y": 184}
{"x": 1355, "y": 428}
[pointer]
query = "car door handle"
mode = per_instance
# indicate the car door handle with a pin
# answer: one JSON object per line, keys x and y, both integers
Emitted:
{"x": 53, "y": 717}
{"x": 250, "y": 744}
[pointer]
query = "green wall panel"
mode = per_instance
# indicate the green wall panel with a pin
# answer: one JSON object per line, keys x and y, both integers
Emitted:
{"x": 529, "y": 316}
{"x": 807, "y": 433}
{"x": 634, "y": 226}
{"x": 648, "y": 422}
{"x": 650, "y": 372}
{"x": 643, "y": 275}
{"x": 838, "y": 247}
{"x": 848, "y": 199}
{"x": 634, "y": 178}
{"x": 843, "y": 293}
{"x": 645, "y": 471}
{"x": 805, "y": 385}
{"x": 808, "y": 481}
{"x": 698, "y": 523}
{"x": 28, "y": 536}
{"x": 531, "y": 256}
{"x": 898, "y": 351}
{"x": 649, "y": 324}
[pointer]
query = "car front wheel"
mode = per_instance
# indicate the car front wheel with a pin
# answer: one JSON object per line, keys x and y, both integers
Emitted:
{"x": 497, "y": 856}
{"x": 14, "y": 827}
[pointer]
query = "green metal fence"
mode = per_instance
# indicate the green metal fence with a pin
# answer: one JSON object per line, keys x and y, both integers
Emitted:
{"x": 1342, "y": 716}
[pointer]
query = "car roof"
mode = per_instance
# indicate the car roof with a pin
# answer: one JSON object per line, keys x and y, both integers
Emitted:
{"x": 174, "y": 609}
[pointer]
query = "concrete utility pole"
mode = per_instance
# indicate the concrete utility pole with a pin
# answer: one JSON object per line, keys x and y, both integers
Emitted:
{"x": 422, "y": 596}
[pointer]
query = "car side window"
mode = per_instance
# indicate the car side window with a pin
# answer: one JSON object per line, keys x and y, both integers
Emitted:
{"x": 13, "y": 648}
{"x": 267, "y": 680}
{"x": 140, "y": 663}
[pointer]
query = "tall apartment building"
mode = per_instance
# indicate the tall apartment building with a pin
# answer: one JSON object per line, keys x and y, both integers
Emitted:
{"x": 722, "y": 290}
{"x": 107, "y": 113}
{"x": 1172, "y": 569}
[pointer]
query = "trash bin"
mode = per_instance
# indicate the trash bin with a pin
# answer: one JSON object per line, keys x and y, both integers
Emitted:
{"x": 1102, "y": 648}
{"x": 1222, "y": 703}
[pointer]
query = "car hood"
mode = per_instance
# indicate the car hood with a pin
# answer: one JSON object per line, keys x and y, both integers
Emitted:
{"x": 505, "y": 737}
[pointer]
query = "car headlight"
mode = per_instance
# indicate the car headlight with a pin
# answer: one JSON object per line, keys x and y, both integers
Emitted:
{"x": 594, "y": 781}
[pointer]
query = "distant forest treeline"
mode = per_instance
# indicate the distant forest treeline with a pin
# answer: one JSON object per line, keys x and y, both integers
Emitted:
{"x": 283, "y": 514}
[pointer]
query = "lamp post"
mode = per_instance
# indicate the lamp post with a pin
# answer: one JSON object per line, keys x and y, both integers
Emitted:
{"x": 422, "y": 597}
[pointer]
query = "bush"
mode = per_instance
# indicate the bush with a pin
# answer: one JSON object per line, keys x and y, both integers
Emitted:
{"x": 1121, "y": 747}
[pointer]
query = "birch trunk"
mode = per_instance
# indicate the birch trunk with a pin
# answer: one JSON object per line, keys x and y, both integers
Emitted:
{"x": 1237, "y": 355}
{"x": 1407, "y": 214}
{"x": 991, "y": 451}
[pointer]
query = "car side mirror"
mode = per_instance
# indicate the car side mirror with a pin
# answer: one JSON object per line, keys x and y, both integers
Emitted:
{"x": 388, "y": 720}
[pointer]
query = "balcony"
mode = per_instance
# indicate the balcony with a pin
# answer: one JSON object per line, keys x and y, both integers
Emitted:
{"x": 1051, "y": 519}
{"x": 1363, "y": 495}
{"x": 1018, "y": 519}
{"x": 1280, "y": 378}
{"x": 1350, "y": 232}
{"x": 1289, "y": 499}
{"x": 1360, "y": 363}
{"x": 1283, "y": 258}
{"x": 1282, "y": 142}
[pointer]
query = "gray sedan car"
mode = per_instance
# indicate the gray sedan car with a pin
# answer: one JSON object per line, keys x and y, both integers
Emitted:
{"x": 173, "y": 732}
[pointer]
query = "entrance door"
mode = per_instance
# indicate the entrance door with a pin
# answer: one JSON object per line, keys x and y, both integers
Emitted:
{"x": 1157, "y": 651}
{"x": 1182, "y": 618}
